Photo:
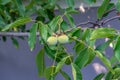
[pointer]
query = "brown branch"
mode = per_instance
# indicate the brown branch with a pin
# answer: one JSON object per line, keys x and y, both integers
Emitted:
{"x": 16, "y": 34}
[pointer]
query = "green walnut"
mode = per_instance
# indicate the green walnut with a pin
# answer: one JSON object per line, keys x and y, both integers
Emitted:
{"x": 52, "y": 40}
{"x": 63, "y": 39}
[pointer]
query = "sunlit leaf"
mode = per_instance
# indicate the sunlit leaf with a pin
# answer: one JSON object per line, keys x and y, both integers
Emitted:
{"x": 32, "y": 36}
{"x": 76, "y": 72}
{"x": 40, "y": 62}
{"x": 102, "y": 33}
{"x": 17, "y": 23}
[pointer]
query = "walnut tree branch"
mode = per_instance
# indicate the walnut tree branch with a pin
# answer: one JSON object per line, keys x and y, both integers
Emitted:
{"x": 110, "y": 19}
{"x": 16, "y": 34}
{"x": 88, "y": 22}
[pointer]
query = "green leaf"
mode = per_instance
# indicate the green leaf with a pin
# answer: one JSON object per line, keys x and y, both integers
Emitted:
{"x": 117, "y": 48}
{"x": 48, "y": 73}
{"x": 64, "y": 26}
{"x": 4, "y": 38}
{"x": 65, "y": 75}
{"x": 99, "y": 77}
{"x": 105, "y": 61}
{"x": 40, "y": 62}
{"x": 90, "y": 1}
{"x": 91, "y": 55}
{"x": 21, "y": 7}
{"x": 82, "y": 58}
{"x": 118, "y": 5}
{"x": 43, "y": 30}
{"x": 2, "y": 23}
{"x": 102, "y": 9}
{"x": 4, "y": 2}
{"x": 30, "y": 5}
{"x": 55, "y": 22}
{"x": 110, "y": 6}
{"x": 115, "y": 76}
{"x": 113, "y": 59}
{"x": 32, "y": 36}
{"x": 60, "y": 64}
{"x": 109, "y": 76}
{"x": 69, "y": 60}
{"x": 103, "y": 46}
{"x": 71, "y": 11}
{"x": 75, "y": 32}
{"x": 17, "y": 23}
{"x": 49, "y": 52}
{"x": 78, "y": 47}
{"x": 117, "y": 73}
{"x": 102, "y": 33}
{"x": 70, "y": 19}
{"x": 86, "y": 37}
{"x": 15, "y": 42}
{"x": 70, "y": 3}
{"x": 76, "y": 72}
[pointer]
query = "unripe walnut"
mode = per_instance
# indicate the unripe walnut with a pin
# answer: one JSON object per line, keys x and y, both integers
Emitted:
{"x": 63, "y": 39}
{"x": 52, "y": 40}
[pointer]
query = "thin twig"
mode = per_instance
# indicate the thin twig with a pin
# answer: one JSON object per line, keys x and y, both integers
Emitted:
{"x": 110, "y": 19}
{"x": 25, "y": 34}
{"x": 88, "y": 22}
{"x": 110, "y": 11}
